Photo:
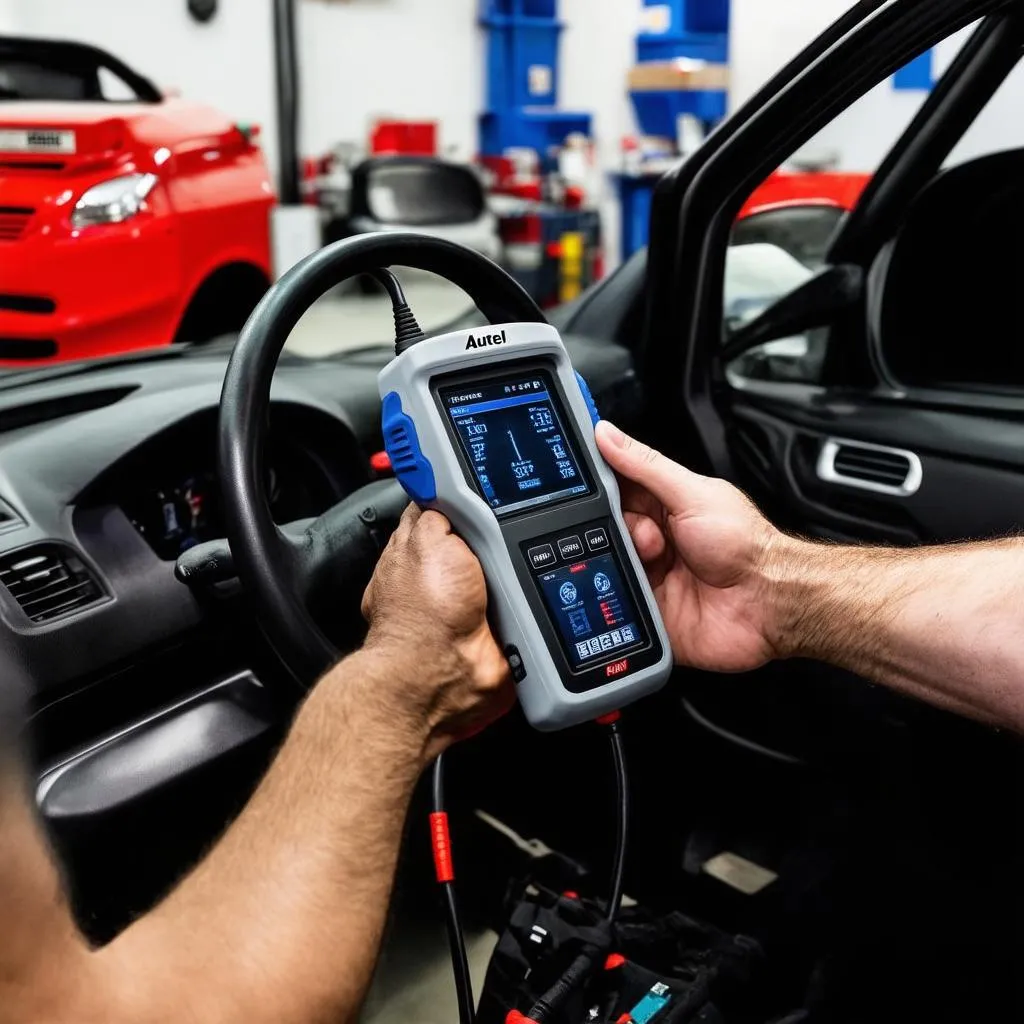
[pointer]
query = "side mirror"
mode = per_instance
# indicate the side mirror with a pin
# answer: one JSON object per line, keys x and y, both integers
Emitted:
{"x": 417, "y": 192}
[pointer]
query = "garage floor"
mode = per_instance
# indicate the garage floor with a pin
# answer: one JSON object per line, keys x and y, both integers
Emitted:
{"x": 414, "y": 982}
{"x": 352, "y": 320}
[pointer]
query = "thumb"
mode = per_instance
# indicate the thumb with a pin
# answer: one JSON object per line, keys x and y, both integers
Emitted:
{"x": 666, "y": 480}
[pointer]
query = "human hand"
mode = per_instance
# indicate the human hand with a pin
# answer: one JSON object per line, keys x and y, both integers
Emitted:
{"x": 427, "y": 609}
{"x": 707, "y": 551}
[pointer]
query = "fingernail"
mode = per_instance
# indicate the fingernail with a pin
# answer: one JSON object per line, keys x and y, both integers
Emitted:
{"x": 612, "y": 433}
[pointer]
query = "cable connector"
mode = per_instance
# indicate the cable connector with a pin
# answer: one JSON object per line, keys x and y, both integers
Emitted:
{"x": 407, "y": 330}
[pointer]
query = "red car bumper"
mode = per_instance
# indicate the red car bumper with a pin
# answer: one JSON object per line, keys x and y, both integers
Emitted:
{"x": 110, "y": 289}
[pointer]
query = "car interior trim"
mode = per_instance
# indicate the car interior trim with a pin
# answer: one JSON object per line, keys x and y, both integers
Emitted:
{"x": 827, "y": 470}
{"x": 152, "y": 751}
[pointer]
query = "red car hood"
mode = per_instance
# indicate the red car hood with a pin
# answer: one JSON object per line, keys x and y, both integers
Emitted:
{"x": 101, "y": 127}
{"x": 43, "y": 144}
{"x": 29, "y": 113}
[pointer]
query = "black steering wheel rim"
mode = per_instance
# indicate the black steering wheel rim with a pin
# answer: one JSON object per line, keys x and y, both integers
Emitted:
{"x": 266, "y": 558}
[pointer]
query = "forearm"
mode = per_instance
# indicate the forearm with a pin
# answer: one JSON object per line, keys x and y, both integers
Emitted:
{"x": 283, "y": 920}
{"x": 942, "y": 624}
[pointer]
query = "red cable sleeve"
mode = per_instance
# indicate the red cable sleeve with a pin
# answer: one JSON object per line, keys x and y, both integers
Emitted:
{"x": 441, "y": 842}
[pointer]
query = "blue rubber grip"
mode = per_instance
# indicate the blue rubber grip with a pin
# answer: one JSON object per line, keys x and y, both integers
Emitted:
{"x": 588, "y": 398}
{"x": 402, "y": 444}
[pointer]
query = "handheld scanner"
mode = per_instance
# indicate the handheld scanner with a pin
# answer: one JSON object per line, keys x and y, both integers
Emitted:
{"x": 495, "y": 429}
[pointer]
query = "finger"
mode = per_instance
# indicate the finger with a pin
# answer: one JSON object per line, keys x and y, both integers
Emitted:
{"x": 673, "y": 485}
{"x": 366, "y": 606}
{"x": 635, "y": 498}
{"x": 432, "y": 527}
{"x": 410, "y": 517}
{"x": 648, "y": 538}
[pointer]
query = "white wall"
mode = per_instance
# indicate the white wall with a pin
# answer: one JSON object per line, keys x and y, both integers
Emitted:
{"x": 406, "y": 58}
{"x": 765, "y": 34}
{"x": 598, "y": 49}
{"x": 409, "y": 59}
{"x": 425, "y": 59}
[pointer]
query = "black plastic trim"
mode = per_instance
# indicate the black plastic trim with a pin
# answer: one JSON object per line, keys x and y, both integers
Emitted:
{"x": 130, "y": 765}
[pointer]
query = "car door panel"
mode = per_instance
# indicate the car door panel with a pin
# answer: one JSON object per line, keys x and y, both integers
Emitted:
{"x": 971, "y": 487}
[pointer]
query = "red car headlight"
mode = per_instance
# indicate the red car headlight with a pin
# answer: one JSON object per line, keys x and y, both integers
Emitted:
{"x": 114, "y": 201}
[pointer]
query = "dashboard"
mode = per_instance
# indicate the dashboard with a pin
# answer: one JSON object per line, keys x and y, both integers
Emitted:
{"x": 111, "y": 473}
{"x": 169, "y": 490}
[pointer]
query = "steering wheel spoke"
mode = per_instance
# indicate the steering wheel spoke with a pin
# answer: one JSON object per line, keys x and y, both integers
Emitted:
{"x": 334, "y": 555}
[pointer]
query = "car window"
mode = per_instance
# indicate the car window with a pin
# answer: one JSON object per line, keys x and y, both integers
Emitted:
{"x": 998, "y": 127}
{"x": 115, "y": 89}
{"x": 22, "y": 79}
{"x": 789, "y": 220}
{"x": 802, "y": 231}
{"x": 797, "y": 210}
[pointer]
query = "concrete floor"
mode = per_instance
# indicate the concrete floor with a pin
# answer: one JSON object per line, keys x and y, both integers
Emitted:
{"x": 353, "y": 320}
{"x": 413, "y": 984}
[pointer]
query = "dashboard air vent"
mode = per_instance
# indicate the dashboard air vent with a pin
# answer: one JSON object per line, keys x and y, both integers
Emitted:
{"x": 48, "y": 581}
{"x": 870, "y": 467}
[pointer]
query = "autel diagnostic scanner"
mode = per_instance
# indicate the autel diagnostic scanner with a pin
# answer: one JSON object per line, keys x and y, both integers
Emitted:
{"x": 495, "y": 429}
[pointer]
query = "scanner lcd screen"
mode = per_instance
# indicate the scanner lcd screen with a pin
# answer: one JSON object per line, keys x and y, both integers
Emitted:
{"x": 512, "y": 432}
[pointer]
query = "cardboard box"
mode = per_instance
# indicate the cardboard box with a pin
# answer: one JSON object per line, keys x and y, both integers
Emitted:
{"x": 683, "y": 75}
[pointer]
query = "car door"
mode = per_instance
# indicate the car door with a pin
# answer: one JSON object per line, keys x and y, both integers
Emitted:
{"x": 804, "y": 411}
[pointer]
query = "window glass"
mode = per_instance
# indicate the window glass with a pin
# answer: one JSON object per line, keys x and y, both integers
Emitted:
{"x": 22, "y": 79}
{"x": 999, "y": 126}
{"x": 783, "y": 232}
{"x": 115, "y": 89}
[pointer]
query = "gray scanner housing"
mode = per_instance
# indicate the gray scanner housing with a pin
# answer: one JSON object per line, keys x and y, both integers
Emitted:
{"x": 553, "y": 695}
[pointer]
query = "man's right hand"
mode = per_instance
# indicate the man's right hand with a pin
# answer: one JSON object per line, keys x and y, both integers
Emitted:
{"x": 707, "y": 551}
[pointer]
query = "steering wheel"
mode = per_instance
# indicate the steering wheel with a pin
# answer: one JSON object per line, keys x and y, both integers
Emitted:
{"x": 329, "y": 561}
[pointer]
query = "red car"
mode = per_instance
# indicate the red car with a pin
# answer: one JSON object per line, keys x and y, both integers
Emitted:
{"x": 799, "y": 211}
{"x": 128, "y": 219}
